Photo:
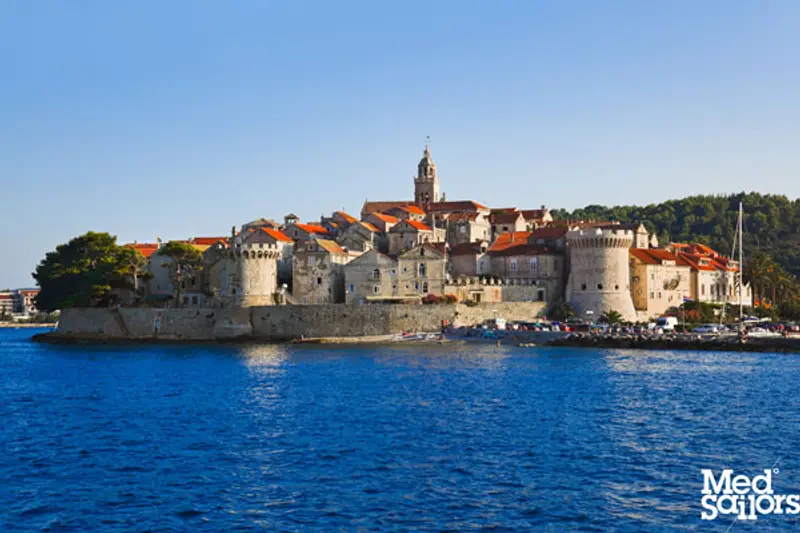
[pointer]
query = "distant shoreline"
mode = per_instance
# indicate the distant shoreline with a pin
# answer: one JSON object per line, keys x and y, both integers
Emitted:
{"x": 11, "y": 325}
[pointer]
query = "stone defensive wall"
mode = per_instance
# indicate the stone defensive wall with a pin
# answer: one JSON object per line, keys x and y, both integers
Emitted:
{"x": 278, "y": 323}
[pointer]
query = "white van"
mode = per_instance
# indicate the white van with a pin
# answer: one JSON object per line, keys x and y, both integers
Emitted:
{"x": 667, "y": 323}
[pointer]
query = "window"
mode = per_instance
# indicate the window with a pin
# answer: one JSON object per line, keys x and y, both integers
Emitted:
{"x": 583, "y": 287}
{"x": 233, "y": 291}
{"x": 540, "y": 295}
{"x": 534, "y": 264}
{"x": 185, "y": 300}
{"x": 422, "y": 252}
{"x": 376, "y": 274}
{"x": 599, "y": 286}
{"x": 703, "y": 289}
{"x": 416, "y": 285}
{"x": 505, "y": 228}
{"x": 513, "y": 265}
{"x": 194, "y": 300}
{"x": 652, "y": 295}
{"x": 376, "y": 289}
{"x": 319, "y": 281}
{"x": 422, "y": 270}
{"x": 425, "y": 287}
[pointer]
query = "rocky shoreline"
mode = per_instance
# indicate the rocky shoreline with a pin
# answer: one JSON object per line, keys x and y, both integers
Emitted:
{"x": 681, "y": 342}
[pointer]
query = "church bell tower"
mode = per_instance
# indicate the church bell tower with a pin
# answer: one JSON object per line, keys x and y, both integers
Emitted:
{"x": 426, "y": 184}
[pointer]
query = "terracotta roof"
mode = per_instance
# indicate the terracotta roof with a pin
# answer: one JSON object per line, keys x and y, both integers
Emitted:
{"x": 656, "y": 256}
{"x": 457, "y": 217}
{"x": 330, "y": 246}
{"x": 348, "y": 218}
{"x": 146, "y": 249}
{"x": 414, "y": 210}
{"x": 276, "y": 234}
{"x": 205, "y": 241}
{"x": 370, "y": 227}
{"x": 440, "y": 247}
{"x": 467, "y": 205}
{"x": 466, "y": 248}
{"x": 507, "y": 240}
{"x": 549, "y": 232}
{"x": 522, "y": 249}
{"x": 312, "y": 228}
{"x": 372, "y": 207}
{"x": 418, "y": 225}
{"x": 504, "y": 218}
{"x": 386, "y": 218}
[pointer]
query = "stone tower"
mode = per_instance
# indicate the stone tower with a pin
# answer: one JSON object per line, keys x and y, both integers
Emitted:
{"x": 599, "y": 278}
{"x": 254, "y": 268}
{"x": 426, "y": 184}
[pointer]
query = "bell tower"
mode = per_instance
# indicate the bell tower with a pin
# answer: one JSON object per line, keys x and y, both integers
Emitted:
{"x": 426, "y": 183}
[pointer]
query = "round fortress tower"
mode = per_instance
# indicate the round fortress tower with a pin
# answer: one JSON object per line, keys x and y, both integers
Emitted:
{"x": 599, "y": 278}
{"x": 255, "y": 266}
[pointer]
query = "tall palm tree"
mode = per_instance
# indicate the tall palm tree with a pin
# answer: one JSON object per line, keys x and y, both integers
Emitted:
{"x": 757, "y": 272}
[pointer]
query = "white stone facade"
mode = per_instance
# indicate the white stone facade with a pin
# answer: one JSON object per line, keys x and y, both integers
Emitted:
{"x": 599, "y": 279}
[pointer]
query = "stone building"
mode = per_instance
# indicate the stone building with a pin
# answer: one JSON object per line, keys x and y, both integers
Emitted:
{"x": 362, "y": 237}
{"x": 536, "y": 218}
{"x": 514, "y": 257}
{"x": 599, "y": 278}
{"x": 469, "y": 259}
{"x": 422, "y": 270}
{"x": 714, "y": 276}
{"x": 660, "y": 281}
{"x": 370, "y": 277}
{"x": 281, "y": 241}
{"x": 300, "y": 232}
{"x": 383, "y": 222}
{"x": 407, "y": 212}
{"x": 261, "y": 223}
{"x": 467, "y": 228}
{"x": 506, "y": 221}
{"x": 318, "y": 272}
{"x": 426, "y": 182}
{"x": 407, "y": 234}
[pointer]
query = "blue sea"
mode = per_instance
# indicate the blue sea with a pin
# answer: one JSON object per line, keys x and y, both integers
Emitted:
{"x": 443, "y": 438}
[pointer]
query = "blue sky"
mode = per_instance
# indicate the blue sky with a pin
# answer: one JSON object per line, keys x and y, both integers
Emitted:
{"x": 183, "y": 118}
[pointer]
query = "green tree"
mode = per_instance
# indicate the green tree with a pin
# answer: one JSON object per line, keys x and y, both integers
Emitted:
{"x": 560, "y": 310}
{"x": 184, "y": 263}
{"x": 135, "y": 266}
{"x": 611, "y": 317}
{"x": 80, "y": 273}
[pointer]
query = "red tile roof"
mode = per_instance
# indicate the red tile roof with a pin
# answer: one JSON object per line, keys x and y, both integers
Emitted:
{"x": 466, "y": 248}
{"x": 522, "y": 249}
{"x": 508, "y": 240}
{"x": 549, "y": 232}
{"x": 146, "y": 249}
{"x": 330, "y": 246}
{"x": 276, "y": 234}
{"x": 348, "y": 218}
{"x": 504, "y": 218}
{"x": 457, "y": 217}
{"x": 386, "y": 218}
{"x": 206, "y": 241}
{"x": 414, "y": 210}
{"x": 467, "y": 205}
{"x": 656, "y": 256}
{"x": 313, "y": 229}
{"x": 372, "y": 207}
{"x": 418, "y": 225}
{"x": 370, "y": 227}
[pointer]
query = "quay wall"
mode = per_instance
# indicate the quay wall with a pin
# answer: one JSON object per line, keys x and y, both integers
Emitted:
{"x": 280, "y": 323}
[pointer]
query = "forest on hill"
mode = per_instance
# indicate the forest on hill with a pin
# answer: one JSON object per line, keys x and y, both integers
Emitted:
{"x": 771, "y": 223}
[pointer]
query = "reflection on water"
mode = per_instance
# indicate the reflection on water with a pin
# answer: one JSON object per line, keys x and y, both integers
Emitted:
{"x": 404, "y": 438}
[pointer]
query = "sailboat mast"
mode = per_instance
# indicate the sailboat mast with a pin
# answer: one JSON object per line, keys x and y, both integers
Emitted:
{"x": 741, "y": 269}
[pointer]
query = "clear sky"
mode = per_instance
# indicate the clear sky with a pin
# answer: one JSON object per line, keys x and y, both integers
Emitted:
{"x": 184, "y": 117}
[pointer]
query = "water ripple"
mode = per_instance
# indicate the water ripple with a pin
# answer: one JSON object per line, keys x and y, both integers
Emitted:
{"x": 228, "y": 438}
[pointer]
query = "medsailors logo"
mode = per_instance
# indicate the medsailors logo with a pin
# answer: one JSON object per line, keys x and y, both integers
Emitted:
{"x": 743, "y": 496}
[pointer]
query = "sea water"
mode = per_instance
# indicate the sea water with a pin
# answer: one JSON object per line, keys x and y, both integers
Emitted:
{"x": 403, "y": 438}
